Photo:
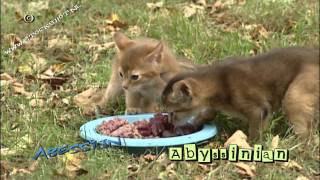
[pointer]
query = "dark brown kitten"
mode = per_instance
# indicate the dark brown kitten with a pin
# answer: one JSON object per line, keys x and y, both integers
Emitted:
{"x": 251, "y": 87}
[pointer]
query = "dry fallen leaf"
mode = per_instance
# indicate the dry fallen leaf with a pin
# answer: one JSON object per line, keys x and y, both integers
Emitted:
{"x": 17, "y": 171}
{"x": 155, "y": 6}
{"x": 238, "y": 138}
{"x": 19, "y": 88}
{"x": 149, "y": 157}
{"x": 169, "y": 173}
{"x": 33, "y": 166}
{"x": 95, "y": 58}
{"x": 291, "y": 164}
{"x": 88, "y": 99}
{"x": 302, "y": 178}
{"x": 18, "y": 14}
{"x": 204, "y": 167}
{"x": 14, "y": 39}
{"x": 85, "y": 97}
{"x": 191, "y": 10}
{"x": 54, "y": 69}
{"x": 216, "y": 7}
{"x": 199, "y": 177}
{"x": 133, "y": 168}
{"x": 6, "y": 79}
{"x": 36, "y": 102}
{"x": 63, "y": 42}
{"x": 73, "y": 164}
{"x": 7, "y": 151}
{"x": 134, "y": 30}
{"x": 54, "y": 82}
{"x": 114, "y": 23}
{"x": 51, "y": 76}
{"x": 36, "y": 7}
{"x": 28, "y": 170}
{"x": 275, "y": 142}
{"x": 256, "y": 31}
{"x": 39, "y": 62}
{"x": 66, "y": 101}
{"x": 245, "y": 169}
{"x": 101, "y": 47}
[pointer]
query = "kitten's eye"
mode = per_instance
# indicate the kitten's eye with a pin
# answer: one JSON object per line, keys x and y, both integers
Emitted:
{"x": 134, "y": 77}
{"x": 120, "y": 74}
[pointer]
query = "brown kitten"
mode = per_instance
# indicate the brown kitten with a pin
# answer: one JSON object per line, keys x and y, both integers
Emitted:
{"x": 141, "y": 69}
{"x": 251, "y": 87}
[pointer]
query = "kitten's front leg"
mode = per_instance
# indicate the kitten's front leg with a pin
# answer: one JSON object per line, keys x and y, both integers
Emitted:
{"x": 133, "y": 111}
{"x": 110, "y": 95}
{"x": 258, "y": 120}
{"x": 133, "y": 103}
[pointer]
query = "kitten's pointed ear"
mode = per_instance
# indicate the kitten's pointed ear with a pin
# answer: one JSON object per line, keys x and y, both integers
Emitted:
{"x": 185, "y": 88}
{"x": 155, "y": 56}
{"x": 122, "y": 41}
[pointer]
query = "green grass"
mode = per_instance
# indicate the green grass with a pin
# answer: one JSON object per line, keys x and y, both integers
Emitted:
{"x": 201, "y": 38}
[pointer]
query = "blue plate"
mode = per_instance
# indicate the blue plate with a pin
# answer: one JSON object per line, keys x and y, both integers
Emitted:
{"x": 88, "y": 132}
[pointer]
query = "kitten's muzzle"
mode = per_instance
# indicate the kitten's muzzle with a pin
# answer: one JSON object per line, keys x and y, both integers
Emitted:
{"x": 125, "y": 87}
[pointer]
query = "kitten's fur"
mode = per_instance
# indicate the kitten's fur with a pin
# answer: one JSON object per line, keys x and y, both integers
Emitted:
{"x": 148, "y": 60}
{"x": 251, "y": 87}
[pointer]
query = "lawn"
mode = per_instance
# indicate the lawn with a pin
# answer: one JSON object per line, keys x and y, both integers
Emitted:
{"x": 75, "y": 54}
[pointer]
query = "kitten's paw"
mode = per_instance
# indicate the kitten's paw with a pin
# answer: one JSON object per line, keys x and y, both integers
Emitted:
{"x": 133, "y": 111}
{"x": 91, "y": 110}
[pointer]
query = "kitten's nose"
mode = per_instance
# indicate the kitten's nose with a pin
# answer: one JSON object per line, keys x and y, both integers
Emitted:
{"x": 125, "y": 87}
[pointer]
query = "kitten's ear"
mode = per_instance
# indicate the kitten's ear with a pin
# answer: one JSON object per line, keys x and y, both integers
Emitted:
{"x": 184, "y": 89}
{"x": 155, "y": 56}
{"x": 122, "y": 41}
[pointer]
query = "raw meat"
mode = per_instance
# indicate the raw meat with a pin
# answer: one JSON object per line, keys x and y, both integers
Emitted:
{"x": 108, "y": 127}
{"x": 158, "y": 126}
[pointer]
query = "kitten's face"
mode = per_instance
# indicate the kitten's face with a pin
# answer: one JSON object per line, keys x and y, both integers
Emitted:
{"x": 184, "y": 105}
{"x": 138, "y": 63}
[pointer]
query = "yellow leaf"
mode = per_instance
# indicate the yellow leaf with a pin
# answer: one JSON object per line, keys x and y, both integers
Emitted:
{"x": 114, "y": 17}
{"x": 52, "y": 70}
{"x": 73, "y": 164}
{"x": 57, "y": 67}
{"x": 25, "y": 69}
